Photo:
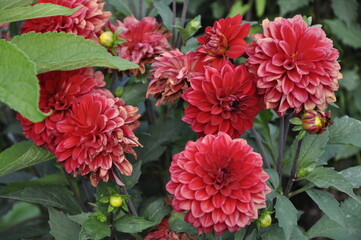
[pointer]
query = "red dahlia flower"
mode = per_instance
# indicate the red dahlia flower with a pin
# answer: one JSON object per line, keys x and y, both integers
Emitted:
{"x": 58, "y": 90}
{"x": 95, "y": 136}
{"x": 296, "y": 65}
{"x": 225, "y": 38}
{"x": 88, "y": 21}
{"x": 171, "y": 75}
{"x": 145, "y": 39}
{"x": 222, "y": 100}
{"x": 220, "y": 182}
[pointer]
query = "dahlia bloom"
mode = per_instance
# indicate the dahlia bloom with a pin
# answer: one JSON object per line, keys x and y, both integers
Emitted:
{"x": 171, "y": 75}
{"x": 222, "y": 100}
{"x": 145, "y": 39}
{"x": 88, "y": 21}
{"x": 225, "y": 38}
{"x": 58, "y": 90}
{"x": 296, "y": 65}
{"x": 96, "y": 135}
{"x": 220, "y": 182}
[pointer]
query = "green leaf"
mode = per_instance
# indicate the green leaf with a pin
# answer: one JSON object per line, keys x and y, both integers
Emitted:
{"x": 326, "y": 227}
{"x": 36, "y": 11}
{"x": 134, "y": 93}
{"x": 91, "y": 228}
{"x": 353, "y": 175}
{"x": 155, "y": 211}
{"x": 328, "y": 204}
{"x": 286, "y": 214}
{"x": 350, "y": 80}
{"x": 260, "y": 7}
{"x": 191, "y": 28}
{"x": 19, "y": 87}
{"x": 121, "y": 6}
{"x": 22, "y": 155}
{"x": 66, "y": 51}
{"x": 345, "y": 10}
{"x": 327, "y": 177}
{"x": 29, "y": 231}
{"x": 5, "y": 4}
{"x": 132, "y": 224}
{"x": 349, "y": 35}
{"x": 165, "y": 12}
{"x": 273, "y": 177}
{"x": 296, "y": 121}
{"x": 21, "y": 211}
{"x": 49, "y": 195}
{"x": 287, "y": 6}
{"x": 130, "y": 181}
{"x": 177, "y": 224}
{"x": 238, "y": 8}
{"x": 62, "y": 228}
{"x": 345, "y": 130}
{"x": 240, "y": 234}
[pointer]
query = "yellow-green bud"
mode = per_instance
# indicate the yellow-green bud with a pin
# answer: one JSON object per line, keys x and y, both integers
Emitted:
{"x": 106, "y": 39}
{"x": 316, "y": 121}
{"x": 116, "y": 201}
{"x": 265, "y": 220}
{"x": 101, "y": 217}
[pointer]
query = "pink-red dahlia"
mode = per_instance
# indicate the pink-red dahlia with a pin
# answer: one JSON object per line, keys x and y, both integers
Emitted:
{"x": 171, "y": 75}
{"x": 225, "y": 38}
{"x": 222, "y": 99}
{"x": 88, "y": 21}
{"x": 296, "y": 65}
{"x": 95, "y": 136}
{"x": 220, "y": 182}
{"x": 58, "y": 90}
{"x": 144, "y": 40}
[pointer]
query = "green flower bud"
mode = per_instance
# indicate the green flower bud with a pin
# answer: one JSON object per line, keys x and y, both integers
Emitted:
{"x": 265, "y": 220}
{"x": 116, "y": 201}
{"x": 106, "y": 39}
{"x": 100, "y": 217}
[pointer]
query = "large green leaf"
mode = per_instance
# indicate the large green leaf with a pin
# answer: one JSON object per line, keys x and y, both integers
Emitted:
{"x": 91, "y": 228}
{"x": 36, "y": 11}
{"x": 328, "y": 204}
{"x": 20, "y": 212}
{"x": 326, "y": 227}
{"x": 286, "y": 214}
{"x": 155, "y": 211}
{"x": 131, "y": 180}
{"x": 165, "y": 12}
{"x": 353, "y": 175}
{"x": 345, "y": 130}
{"x": 177, "y": 224}
{"x": 349, "y": 35}
{"x": 5, "y": 4}
{"x": 19, "y": 87}
{"x": 29, "y": 231}
{"x": 49, "y": 195}
{"x": 61, "y": 227}
{"x": 327, "y": 177}
{"x": 66, "y": 51}
{"x": 287, "y": 6}
{"x": 22, "y": 155}
{"x": 121, "y": 6}
{"x": 345, "y": 10}
{"x": 274, "y": 232}
{"x": 134, "y": 93}
{"x": 132, "y": 224}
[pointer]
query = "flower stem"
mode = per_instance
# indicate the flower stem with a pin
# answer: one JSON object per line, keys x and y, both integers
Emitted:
{"x": 140, "y": 13}
{"x": 280, "y": 148}
{"x": 174, "y": 10}
{"x": 293, "y": 170}
{"x": 150, "y": 111}
{"x": 183, "y": 20}
{"x": 301, "y": 190}
{"x": 76, "y": 194}
{"x": 261, "y": 147}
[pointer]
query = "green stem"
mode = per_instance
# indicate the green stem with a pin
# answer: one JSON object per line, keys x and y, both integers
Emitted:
{"x": 280, "y": 149}
{"x": 75, "y": 192}
{"x": 261, "y": 147}
{"x": 294, "y": 168}
{"x": 183, "y": 20}
{"x": 301, "y": 190}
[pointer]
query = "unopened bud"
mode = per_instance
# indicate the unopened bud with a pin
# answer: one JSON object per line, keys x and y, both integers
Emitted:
{"x": 106, "y": 39}
{"x": 100, "y": 217}
{"x": 116, "y": 201}
{"x": 316, "y": 121}
{"x": 265, "y": 220}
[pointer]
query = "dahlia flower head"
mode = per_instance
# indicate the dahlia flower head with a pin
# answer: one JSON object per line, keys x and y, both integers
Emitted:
{"x": 145, "y": 39}
{"x": 96, "y": 136}
{"x": 224, "y": 39}
{"x": 219, "y": 182}
{"x": 88, "y": 21}
{"x": 223, "y": 99}
{"x": 58, "y": 91}
{"x": 171, "y": 75}
{"x": 296, "y": 65}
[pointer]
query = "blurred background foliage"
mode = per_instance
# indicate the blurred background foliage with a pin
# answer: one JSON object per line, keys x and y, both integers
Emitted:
{"x": 163, "y": 133}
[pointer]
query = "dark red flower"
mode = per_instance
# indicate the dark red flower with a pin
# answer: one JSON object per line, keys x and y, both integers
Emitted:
{"x": 95, "y": 136}
{"x": 171, "y": 75}
{"x": 219, "y": 182}
{"x": 88, "y": 21}
{"x": 225, "y": 38}
{"x": 222, "y": 99}
{"x": 296, "y": 65}
{"x": 145, "y": 39}
{"x": 58, "y": 90}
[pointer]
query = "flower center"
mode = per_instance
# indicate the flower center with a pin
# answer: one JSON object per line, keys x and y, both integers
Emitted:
{"x": 233, "y": 103}
{"x": 217, "y": 44}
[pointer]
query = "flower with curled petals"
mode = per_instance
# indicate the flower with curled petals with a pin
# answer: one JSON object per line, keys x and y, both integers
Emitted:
{"x": 222, "y": 99}
{"x": 220, "y": 182}
{"x": 144, "y": 40}
{"x": 87, "y": 21}
{"x": 58, "y": 90}
{"x": 96, "y": 136}
{"x": 171, "y": 75}
{"x": 296, "y": 65}
{"x": 225, "y": 38}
